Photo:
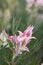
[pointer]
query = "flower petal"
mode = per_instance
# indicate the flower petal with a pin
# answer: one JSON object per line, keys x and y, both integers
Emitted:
{"x": 28, "y": 39}
{"x": 17, "y": 40}
{"x": 19, "y": 32}
{"x": 28, "y": 31}
{"x": 11, "y": 38}
{"x": 26, "y": 49}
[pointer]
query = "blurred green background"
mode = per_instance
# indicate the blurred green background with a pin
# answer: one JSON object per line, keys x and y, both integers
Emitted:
{"x": 18, "y": 15}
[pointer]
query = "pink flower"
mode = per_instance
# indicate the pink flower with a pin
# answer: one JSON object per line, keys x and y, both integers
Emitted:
{"x": 39, "y": 2}
{"x": 23, "y": 39}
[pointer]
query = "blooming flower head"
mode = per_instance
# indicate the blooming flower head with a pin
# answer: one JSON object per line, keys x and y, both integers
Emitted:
{"x": 23, "y": 39}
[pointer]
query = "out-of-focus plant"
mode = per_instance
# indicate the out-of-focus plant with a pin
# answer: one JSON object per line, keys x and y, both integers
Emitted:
{"x": 33, "y": 6}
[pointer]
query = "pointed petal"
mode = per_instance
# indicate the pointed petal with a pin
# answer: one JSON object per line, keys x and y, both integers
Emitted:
{"x": 28, "y": 31}
{"x": 17, "y": 40}
{"x": 26, "y": 49}
{"x": 18, "y": 52}
{"x": 11, "y": 38}
{"x": 19, "y": 32}
{"x": 28, "y": 39}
